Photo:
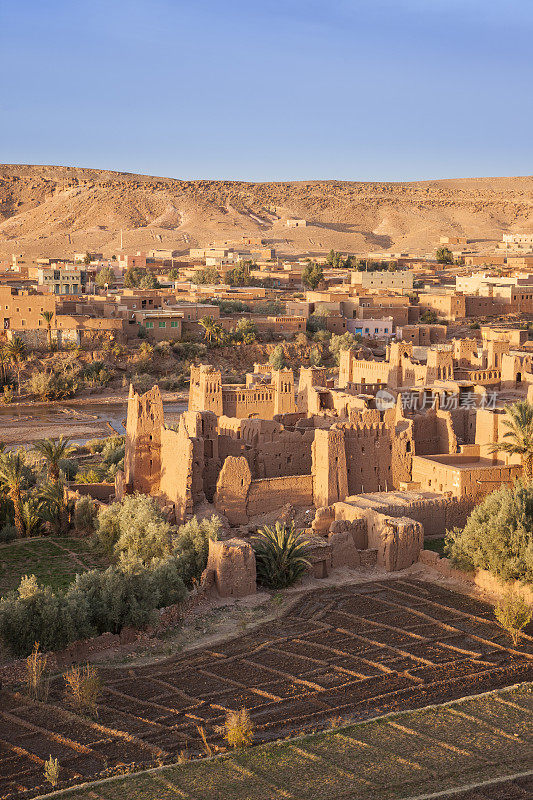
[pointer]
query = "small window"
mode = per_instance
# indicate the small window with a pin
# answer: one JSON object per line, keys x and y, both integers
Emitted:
{"x": 162, "y": 323}
{"x": 173, "y": 323}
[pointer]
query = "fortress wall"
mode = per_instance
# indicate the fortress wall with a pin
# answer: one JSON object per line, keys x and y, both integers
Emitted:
{"x": 270, "y": 493}
{"x": 288, "y": 454}
{"x": 435, "y": 514}
{"x": 242, "y": 402}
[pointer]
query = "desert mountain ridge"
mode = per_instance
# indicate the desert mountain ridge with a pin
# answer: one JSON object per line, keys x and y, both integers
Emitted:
{"x": 57, "y": 211}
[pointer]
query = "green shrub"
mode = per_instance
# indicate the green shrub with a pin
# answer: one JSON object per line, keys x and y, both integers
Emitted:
{"x": 315, "y": 323}
{"x": 142, "y": 381}
{"x": 172, "y": 384}
{"x": 188, "y": 351}
{"x": 498, "y": 535}
{"x": 53, "y": 620}
{"x": 94, "y": 474}
{"x": 315, "y": 357}
{"x": 134, "y": 528}
{"x": 107, "y": 528}
{"x": 245, "y": 332}
{"x": 53, "y": 385}
{"x": 513, "y": 614}
{"x": 342, "y": 342}
{"x": 112, "y": 471}
{"x": 96, "y": 374}
{"x": 143, "y": 531}
{"x": 127, "y": 595}
{"x": 85, "y": 513}
{"x": 69, "y": 467}
{"x": 270, "y": 308}
{"x": 191, "y": 547}
{"x": 280, "y": 556}
{"x": 230, "y": 306}
{"x": 96, "y": 445}
{"x": 114, "y": 449}
{"x": 8, "y": 532}
{"x": 277, "y": 357}
{"x": 167, "y": 581}
{"x": 148, "y": 576}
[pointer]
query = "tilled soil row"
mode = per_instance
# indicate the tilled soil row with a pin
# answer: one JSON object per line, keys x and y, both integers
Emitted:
{"x": 351, "y": 653}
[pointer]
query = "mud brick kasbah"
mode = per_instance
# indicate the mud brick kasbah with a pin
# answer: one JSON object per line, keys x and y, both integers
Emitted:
{"x": 375, "y": 477}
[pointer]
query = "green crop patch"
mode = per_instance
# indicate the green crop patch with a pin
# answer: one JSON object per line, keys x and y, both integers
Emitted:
{"x": 54, "y": 564}
{"x": 376, "y": 760}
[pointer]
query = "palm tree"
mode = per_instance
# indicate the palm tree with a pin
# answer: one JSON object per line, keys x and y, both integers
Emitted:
{"x": 280, "y": 555}
{"x": 12, "y": 477}
{"x": 17, "y": 352}
{"x": 209, "y": 325}
{"x": 54, "y": 507}
{"x": 30, "y": 517}
{"x": 48, "y": 317}
{"x": 519, "y": 421}
{"x": 54, "y": 451}
{"x": 4, "y": 361}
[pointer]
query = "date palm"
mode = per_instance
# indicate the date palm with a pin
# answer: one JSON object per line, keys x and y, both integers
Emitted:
{"x": 54, "y": 451}
{"x": 280, "y": 555}
{"x": 48, "y": 317}
{"x": 12, "y": 478}
{"x": 518, "y": 439}
{"x": 54, "y": 508}
{"x": 4, "y": 361}
{"x": 210, "y": 328}
{"x": 30, "y": 517}
{"x": 17, "y": 354}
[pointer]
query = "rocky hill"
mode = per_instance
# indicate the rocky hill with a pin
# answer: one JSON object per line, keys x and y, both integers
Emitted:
{"x": 53, "y": 211}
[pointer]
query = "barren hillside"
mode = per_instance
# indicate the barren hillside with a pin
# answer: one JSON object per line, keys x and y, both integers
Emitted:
{"x": 53, "y": 211}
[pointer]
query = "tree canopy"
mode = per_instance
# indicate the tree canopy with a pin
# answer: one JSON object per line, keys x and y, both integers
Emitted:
{"x": 498, "y": 535}
{"x": 105, "y": 275}
{"x": 312, "y": 275}
{"x": 138, "y": 278}
{"x": 205, "y": 276}
{"x": 444, "y": 255}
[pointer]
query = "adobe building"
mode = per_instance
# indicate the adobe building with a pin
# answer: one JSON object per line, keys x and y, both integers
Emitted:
{"x": 400, "y": 281}
{"x": 20, "y": 310}
{"x": 422, "y": 335}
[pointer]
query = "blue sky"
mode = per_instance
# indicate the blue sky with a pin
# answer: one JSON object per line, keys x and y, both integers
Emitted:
{"x": 270, "y": 89}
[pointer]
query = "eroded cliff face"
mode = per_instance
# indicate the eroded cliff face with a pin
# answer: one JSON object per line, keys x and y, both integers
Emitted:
{"x": 46, "y": 210}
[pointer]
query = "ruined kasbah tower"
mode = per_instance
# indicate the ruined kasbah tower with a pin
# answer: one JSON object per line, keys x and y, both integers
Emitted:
{"x": 264, "y": 396}
{"x": 142, "y": 459}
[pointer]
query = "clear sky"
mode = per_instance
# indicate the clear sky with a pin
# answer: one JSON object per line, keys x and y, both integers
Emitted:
{"x": 270, "y": 89}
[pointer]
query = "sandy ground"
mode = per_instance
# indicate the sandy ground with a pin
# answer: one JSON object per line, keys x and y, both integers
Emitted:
{"x": 20, "y": 424}
{"x": 24, "y": 429}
